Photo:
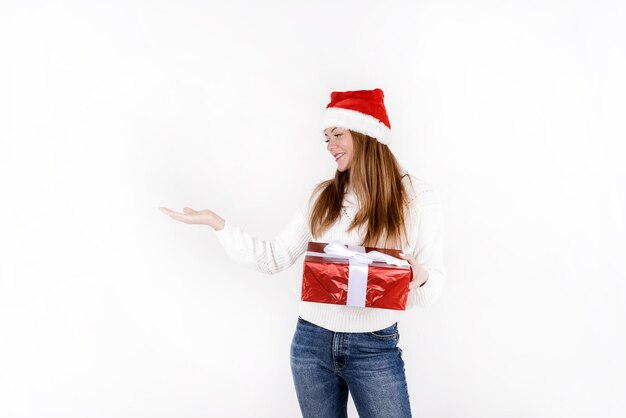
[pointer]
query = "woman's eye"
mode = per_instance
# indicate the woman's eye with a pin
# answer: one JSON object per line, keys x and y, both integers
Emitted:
{"x": 336, "y": 135}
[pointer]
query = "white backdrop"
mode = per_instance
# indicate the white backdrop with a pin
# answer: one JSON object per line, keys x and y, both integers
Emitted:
{"x": 513, "y": 110}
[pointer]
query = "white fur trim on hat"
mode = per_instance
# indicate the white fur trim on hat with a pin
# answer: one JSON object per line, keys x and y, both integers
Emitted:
{"x": 356, "y": 121}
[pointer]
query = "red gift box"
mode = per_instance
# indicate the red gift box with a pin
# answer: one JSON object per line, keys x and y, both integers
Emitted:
{"x": 355, "y": 276}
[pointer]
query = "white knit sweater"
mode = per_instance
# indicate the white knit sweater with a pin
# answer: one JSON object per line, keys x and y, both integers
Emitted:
{"x": 426, "y": 231}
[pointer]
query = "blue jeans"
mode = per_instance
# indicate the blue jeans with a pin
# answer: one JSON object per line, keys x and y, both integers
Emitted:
{"x": 326, "y": 365}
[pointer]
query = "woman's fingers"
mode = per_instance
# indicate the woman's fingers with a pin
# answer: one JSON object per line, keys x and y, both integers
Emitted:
{"x": 419, "y": 273}
{"x": 175, "y": 215}
{"x": 407, "y": 257}
{"x": 166, "y": 210}
{"x": 410, "y": 259}
{"x": 170, "y": 212}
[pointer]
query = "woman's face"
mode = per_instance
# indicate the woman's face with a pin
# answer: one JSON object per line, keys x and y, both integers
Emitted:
{"x": 339, "y": 142}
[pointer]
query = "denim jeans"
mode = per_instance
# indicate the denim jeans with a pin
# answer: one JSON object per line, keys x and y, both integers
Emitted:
{"x": 326, "y": 365}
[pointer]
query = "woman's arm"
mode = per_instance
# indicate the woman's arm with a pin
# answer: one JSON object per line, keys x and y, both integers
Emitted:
{"x": 267, "y": 256}
{"x": 428, "y": 251}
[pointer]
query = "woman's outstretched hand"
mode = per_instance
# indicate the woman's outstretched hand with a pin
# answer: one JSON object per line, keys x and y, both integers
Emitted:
{"x": 420, "y": 275}
{"x": 191, "y": 216}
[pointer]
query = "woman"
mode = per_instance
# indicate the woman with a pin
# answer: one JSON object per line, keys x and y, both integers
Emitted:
{"x": 371, "y": 202}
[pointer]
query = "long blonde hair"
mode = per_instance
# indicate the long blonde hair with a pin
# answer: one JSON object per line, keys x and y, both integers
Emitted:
{"x": 376, "y": 177}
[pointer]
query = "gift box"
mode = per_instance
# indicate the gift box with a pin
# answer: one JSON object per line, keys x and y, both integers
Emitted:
{"x": 355, "y": 276}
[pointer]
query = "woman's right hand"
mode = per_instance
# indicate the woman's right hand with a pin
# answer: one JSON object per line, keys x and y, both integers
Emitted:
{"x": 191, "y": 216}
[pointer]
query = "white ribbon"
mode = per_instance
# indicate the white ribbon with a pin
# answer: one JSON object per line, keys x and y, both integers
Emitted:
{"x": 357, "y": 277}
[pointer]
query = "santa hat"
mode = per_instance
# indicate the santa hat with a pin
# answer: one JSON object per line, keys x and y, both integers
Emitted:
{"x": 361, "y": 111}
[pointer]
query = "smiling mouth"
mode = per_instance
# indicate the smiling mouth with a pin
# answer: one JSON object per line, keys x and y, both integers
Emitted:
{"x": 339, "y": 156}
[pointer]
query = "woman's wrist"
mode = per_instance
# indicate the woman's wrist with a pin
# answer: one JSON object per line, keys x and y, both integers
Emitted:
{"x": 219, "y": 225}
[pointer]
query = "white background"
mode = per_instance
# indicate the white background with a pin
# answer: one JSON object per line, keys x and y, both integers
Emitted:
{"x": 513, "y": 110}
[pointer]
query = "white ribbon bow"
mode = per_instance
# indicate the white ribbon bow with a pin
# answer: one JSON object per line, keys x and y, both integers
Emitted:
{"x": 336, "y": 248}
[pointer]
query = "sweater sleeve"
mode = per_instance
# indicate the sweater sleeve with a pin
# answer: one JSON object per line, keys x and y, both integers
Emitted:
{"x": 428, "y": 250}
{"x": 267, "y": 256}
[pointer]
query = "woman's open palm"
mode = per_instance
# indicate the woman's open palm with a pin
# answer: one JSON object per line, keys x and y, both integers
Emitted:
{"x": 192, "y": 216}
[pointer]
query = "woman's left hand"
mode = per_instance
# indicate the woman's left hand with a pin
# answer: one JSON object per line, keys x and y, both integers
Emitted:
{"x": 420, "y": 274}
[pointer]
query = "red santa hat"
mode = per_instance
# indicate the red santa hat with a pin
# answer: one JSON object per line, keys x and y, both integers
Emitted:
{"x": 361, "y": 111}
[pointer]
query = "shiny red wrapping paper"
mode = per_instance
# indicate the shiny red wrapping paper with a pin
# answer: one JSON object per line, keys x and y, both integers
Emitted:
{"x": 325, "y": 280}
